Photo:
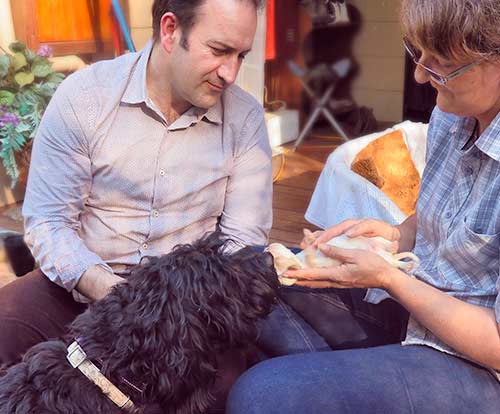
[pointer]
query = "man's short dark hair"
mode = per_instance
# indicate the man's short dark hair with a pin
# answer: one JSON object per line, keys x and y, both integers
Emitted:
{"x": 185, "y": 11}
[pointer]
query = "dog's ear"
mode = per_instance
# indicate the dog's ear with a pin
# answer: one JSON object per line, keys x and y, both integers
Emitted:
{"x": 113, "y": 327}
{"x": 269, "y": 259}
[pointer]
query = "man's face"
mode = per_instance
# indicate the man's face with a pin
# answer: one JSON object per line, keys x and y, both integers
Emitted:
{"x": 222, "y": 35}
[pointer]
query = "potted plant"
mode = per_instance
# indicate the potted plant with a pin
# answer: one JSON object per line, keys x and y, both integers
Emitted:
{"x": 27, "y": 83}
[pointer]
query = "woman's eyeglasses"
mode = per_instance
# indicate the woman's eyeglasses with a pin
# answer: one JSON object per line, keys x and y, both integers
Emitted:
{"x": 416, "y": 54}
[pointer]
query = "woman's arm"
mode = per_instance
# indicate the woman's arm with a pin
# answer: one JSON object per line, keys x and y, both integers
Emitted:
{"x": 469, "y": 329}
{"x": 407, "y": 233}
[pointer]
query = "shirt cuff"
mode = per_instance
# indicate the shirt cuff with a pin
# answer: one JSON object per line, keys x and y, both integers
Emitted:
{"x": 68, "y": 270}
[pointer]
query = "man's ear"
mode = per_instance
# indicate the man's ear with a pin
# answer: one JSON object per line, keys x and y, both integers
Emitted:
{"x": 170, "y": 31}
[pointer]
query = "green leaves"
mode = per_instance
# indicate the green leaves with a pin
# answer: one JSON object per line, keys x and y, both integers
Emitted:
{"x": 24, "y": 78}
{"x": 10, "y": 139}
{"x": 4, "y": 66}
{"x": 30, "y": 55}
{"x": 6, "y": 98}
{"x": 19, "y": 61}
{"x": 55, "y": 78}
{"x": 17, "y": 47}
{"x": 41, "y": 69}
{"x": 27, "y": 83}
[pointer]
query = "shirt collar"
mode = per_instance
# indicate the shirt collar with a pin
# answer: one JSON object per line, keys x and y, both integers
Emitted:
{"x": 213, "y": 114}
{"x": 487, "y": 142}
{"x": 136, "y": 92}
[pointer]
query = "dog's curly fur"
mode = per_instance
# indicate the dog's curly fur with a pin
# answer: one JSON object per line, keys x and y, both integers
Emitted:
{"x": 161, "y": 330}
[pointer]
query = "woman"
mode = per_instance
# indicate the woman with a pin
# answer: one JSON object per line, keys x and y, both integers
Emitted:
{"x": 450, "y": 355}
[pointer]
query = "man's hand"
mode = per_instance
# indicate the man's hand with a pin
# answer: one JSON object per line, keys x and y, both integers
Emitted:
{"x": 97, "y": 282}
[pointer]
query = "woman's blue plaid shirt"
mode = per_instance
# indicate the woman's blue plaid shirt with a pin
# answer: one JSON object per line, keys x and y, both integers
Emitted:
{"x": 458, "y": 230}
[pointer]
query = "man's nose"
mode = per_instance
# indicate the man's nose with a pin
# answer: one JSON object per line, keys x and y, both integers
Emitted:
{"x": 228, "y": 70}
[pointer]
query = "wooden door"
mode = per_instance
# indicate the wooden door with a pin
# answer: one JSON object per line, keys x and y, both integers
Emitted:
{"x": 68, "y": 26}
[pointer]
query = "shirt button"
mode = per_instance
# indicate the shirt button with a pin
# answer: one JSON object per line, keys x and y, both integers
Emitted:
{"x": 162, "y": 172}
{"x": 448, "y": 214}
{"x": 155, "y": 213}
{"x": 145, "y": 246}
{"x": 469, "y": 170}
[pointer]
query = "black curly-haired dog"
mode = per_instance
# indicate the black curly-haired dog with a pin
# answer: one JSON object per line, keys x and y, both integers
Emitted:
{"x": 160, "y": 332}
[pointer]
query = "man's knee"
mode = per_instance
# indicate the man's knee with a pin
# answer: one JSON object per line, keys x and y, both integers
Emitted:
{"x": 16, "y": 337}
{"x": 18, "y": 314}
{"x": 32, "y": 310}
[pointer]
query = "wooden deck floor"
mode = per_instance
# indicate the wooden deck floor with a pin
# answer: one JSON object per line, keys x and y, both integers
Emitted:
{"x": 295, "y": 185}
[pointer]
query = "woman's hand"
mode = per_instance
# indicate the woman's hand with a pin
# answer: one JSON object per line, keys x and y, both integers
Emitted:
{"x": 364, "y": 227}
{"x": 359, "y": 269}
{"x": 322, "y": 236}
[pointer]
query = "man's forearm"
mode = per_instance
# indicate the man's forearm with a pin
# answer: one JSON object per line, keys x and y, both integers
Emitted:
{"x": 97, "y": 282}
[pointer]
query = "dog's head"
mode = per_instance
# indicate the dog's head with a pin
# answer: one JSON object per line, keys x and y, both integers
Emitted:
{"x": 177, "y": 312}
{"x": 203, "y": 283}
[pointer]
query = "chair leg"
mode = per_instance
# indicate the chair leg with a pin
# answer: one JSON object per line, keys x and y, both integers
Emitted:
{"x": 308, "y": 126}
{"x": 328, "y": 115}
{"x": 320, "y": 107}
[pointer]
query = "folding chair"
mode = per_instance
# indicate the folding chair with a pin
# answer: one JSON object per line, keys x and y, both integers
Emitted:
{"x": 323, "y": 105}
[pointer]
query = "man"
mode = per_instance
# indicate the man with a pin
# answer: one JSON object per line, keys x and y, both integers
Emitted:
{"x": 136, "y": 155}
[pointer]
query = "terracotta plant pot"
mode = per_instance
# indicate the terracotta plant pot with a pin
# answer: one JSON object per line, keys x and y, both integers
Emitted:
{"x": 23, "y": 159}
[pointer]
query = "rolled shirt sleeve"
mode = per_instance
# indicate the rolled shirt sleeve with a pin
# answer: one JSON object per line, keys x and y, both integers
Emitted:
{"x": 247, "y": 215}
{"x": 58, "y": 185}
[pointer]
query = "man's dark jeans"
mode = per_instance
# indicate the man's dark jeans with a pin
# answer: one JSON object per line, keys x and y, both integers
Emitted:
{"x": 33, "y": 310}
{"x": 307, "y": 320}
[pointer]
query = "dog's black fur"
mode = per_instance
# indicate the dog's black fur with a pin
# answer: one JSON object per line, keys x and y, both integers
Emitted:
{"x": 161, "y": 330}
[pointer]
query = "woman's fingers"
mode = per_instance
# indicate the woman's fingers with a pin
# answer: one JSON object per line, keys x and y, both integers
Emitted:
{"x": 373, "y": 228}
{"x": 335, "y": 231}
{"x": 339, "y": 275}
{"x": 343, "y": 255}
{"x": 311, "y": 273}
{"x": 316, "y": 284}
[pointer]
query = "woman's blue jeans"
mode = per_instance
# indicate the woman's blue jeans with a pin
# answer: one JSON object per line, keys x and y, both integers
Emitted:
{"x": 385, "y": 379}
{"x": 361, "y": 366}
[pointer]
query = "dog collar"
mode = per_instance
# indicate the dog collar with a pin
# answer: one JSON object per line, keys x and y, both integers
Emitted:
{"x": 78, "y": 359}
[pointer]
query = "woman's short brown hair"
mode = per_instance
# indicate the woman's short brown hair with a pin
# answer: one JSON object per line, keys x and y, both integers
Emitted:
{"x": 454, "y": 29}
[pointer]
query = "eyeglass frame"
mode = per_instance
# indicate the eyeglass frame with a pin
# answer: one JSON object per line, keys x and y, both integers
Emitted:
{"x": 441, "y": 79}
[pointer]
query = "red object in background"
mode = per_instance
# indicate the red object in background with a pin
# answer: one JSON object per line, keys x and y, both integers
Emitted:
{"x": 282, "y": 29}
{"x": 271, "y": 30}
{"x": 115, "y": 33}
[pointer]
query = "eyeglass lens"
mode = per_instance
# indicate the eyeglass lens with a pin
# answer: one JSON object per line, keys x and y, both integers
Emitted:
{"x": 416, "y": 54}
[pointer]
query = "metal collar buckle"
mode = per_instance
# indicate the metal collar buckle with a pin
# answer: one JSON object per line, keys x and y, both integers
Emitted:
{"x": 78, "y": 359}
